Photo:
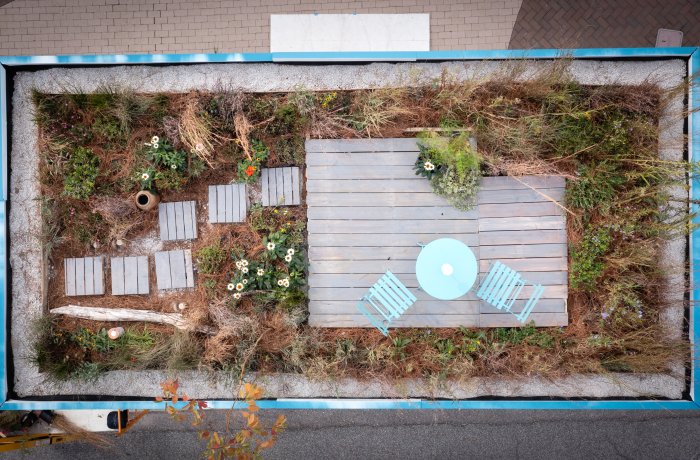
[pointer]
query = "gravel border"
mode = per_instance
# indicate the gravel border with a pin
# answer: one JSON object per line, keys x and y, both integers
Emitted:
{"x": 28, "y": 283}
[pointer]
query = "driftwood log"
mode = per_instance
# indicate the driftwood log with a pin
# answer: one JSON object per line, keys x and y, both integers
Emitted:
{"x": 127, "y": 314}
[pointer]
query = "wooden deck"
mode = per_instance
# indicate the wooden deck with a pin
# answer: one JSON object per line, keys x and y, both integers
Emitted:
{"x": 367, "y": 211}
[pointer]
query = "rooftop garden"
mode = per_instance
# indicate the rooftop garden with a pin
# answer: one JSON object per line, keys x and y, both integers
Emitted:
{"x": 248, "y": 309}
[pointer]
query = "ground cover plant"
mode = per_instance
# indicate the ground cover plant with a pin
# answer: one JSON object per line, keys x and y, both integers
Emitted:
{"x": 98, "y": 150}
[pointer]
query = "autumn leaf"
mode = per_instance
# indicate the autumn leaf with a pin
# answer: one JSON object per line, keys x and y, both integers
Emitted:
{"x": 159, "y": 399}
{"x": 280, "y": 422}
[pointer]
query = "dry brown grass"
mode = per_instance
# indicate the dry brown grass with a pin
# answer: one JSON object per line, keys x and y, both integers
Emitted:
{"x": 195, "y": 130}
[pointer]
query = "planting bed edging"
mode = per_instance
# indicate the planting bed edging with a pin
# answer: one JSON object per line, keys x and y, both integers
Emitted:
{"x": 25, "y": 254}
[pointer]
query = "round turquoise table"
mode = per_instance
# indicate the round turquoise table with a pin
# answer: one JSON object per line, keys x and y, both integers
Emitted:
{"x": 446, "y": 268}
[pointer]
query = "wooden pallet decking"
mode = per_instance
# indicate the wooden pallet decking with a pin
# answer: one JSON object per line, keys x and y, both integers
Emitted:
{"x": 129, "y": 275}
{"x": 174, "y": 269}
{"x": 227, "y": 203}
{"x": 177, "y": 220}
{"x": 280, "y": 186}
{"x": 84, "y": 276}
{"x": 367, "y": 211}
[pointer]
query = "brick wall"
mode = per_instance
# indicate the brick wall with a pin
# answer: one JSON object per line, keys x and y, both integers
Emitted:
{"x": 35, "y": 27}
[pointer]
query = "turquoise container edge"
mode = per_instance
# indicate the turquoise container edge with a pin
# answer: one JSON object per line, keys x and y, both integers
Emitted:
{"x": 691, "y": 54}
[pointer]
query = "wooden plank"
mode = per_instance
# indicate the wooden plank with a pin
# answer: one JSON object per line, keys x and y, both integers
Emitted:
{"x": 520, "y": 251}
{"x": 163, "y": 279}
{"x": 189, "y": 272}
{"x": 288, "y": 195}
{"x": 321, "y": 253}
{"x": 509, "y": 183}
{"x": 194, "y": 219}
{"x": 69, "y": 275}
{"x": 432, "y": 321}
{"x": 99, "y": 275}
{"x": 521, "y": 223}
{"x": 172, "y": 224}
{"x": 520, "y": 196}
{"x": 163, "y": 221}
{"x": 397, "y": 144}
{"x": 117, "y": 270}
{"x": 213, "y": 206}
{"x": 242, "y": 202}
{"x": 187, "y": 217}
{"x": 353, "y": 293}
{"x": 540, "y": 319}
{"x": 231, "y": 203}
{"x": 375, "y": 199}
{"x": 385, "y": 158}
{"x": 545, "y": 208}
{"x": 340, "y": 280}
{"x": 296, "y": 188}
{"x": 179, "y": 220}
{"x": 360, "y": 172}
{"x": 177, "y": 269}
{"x": 393, "y": 226}
{"x": 89, "y": 276}
{"x": 272, "y": 187}
{"x": 221, "y": 203}
{"x": 405, "y": 185}
{"x": 421, "y": 307}
{"x": 522, "y": 237}
{"x": 264, "y": 179}
{"x": 131, "y": 276}
{"x": 80, "y": 276}
{"x": 385, "y": 240}
{"x": 392, "y": 213}
{"x": 142, "y": 275}
{"x": 530, "y": 264}
{"x": 279, "y": 185}
{"x": 543, "y": 306}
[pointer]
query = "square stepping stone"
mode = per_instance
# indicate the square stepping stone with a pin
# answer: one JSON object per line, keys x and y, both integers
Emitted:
{"x": 84, "y": 276}
{"x": 178, "y": 220}
{"x": 227, "y": 203}
{"x": 174, "y": 269}
{"x": 280, "y": 186}
{"x": 129, "y": 275}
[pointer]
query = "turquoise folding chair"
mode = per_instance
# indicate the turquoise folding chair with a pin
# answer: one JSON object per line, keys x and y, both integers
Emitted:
{"x": 386, "y": 301}
{"x": 501, "y": 288}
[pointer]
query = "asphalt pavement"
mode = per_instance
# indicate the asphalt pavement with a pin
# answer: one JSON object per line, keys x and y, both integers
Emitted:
{"x": 422, "y": 434}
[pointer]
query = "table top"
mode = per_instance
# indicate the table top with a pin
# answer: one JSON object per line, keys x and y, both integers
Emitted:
{"x": 446, "y": 268}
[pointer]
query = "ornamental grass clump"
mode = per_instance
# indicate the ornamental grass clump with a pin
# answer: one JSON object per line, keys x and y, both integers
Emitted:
{"x": 452, "y": 166}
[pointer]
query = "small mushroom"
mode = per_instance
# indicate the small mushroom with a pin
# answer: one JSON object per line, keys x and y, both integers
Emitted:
{"x": 181, "y": 306}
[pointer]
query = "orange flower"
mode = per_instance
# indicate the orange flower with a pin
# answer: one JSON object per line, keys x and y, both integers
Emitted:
{"x": 249, "y": 171}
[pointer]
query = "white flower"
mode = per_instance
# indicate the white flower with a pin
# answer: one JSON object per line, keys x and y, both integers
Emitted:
{"x": 244, "y": 269}
{"x": 270, "y": 246}
{"x": 238, "y": 264}
{"x": 280, "y": 282}
{"x": 245, "y": 281}
{"x": 288, "y": 258}
{"x": 155, "y": 139}
{"x": 285, "y": 282}
{"x": 230, "y": 287}
{"x": 199, "y": 147}
{"x": 145, "y": 176}
{"x": 155, "y": 146}
{"x": 239, "y": 286}
{"x": 428, "y": 166}
{"x": 244, "y": 263}
{"x": 237, "y": 295}
{"x": 290, "y": 251}
{"x": 173, "y": 166}
{"x": 261, "y": 272}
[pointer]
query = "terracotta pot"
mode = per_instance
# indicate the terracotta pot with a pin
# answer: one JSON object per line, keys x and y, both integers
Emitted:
{"x": 146, "y": 200}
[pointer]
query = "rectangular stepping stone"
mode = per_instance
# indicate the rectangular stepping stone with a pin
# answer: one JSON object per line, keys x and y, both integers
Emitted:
{"x": 227, "y": 203}
{"x": 84, "y": 276}
{"x": 174, "y": 269}
{"x": 280, "y": 186}
{"x": 178, "y": 220}
{"x": 129, "y": 275}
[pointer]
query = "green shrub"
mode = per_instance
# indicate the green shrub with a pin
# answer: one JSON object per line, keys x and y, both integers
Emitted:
{"x": 81, "y": 172}
{"x": 210, "y": 258}
{"x": 595, "y": 188}
{"x": 586, "y": 264}
{"x": 453, "y": 168}
{"x": 249, "y": 169}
